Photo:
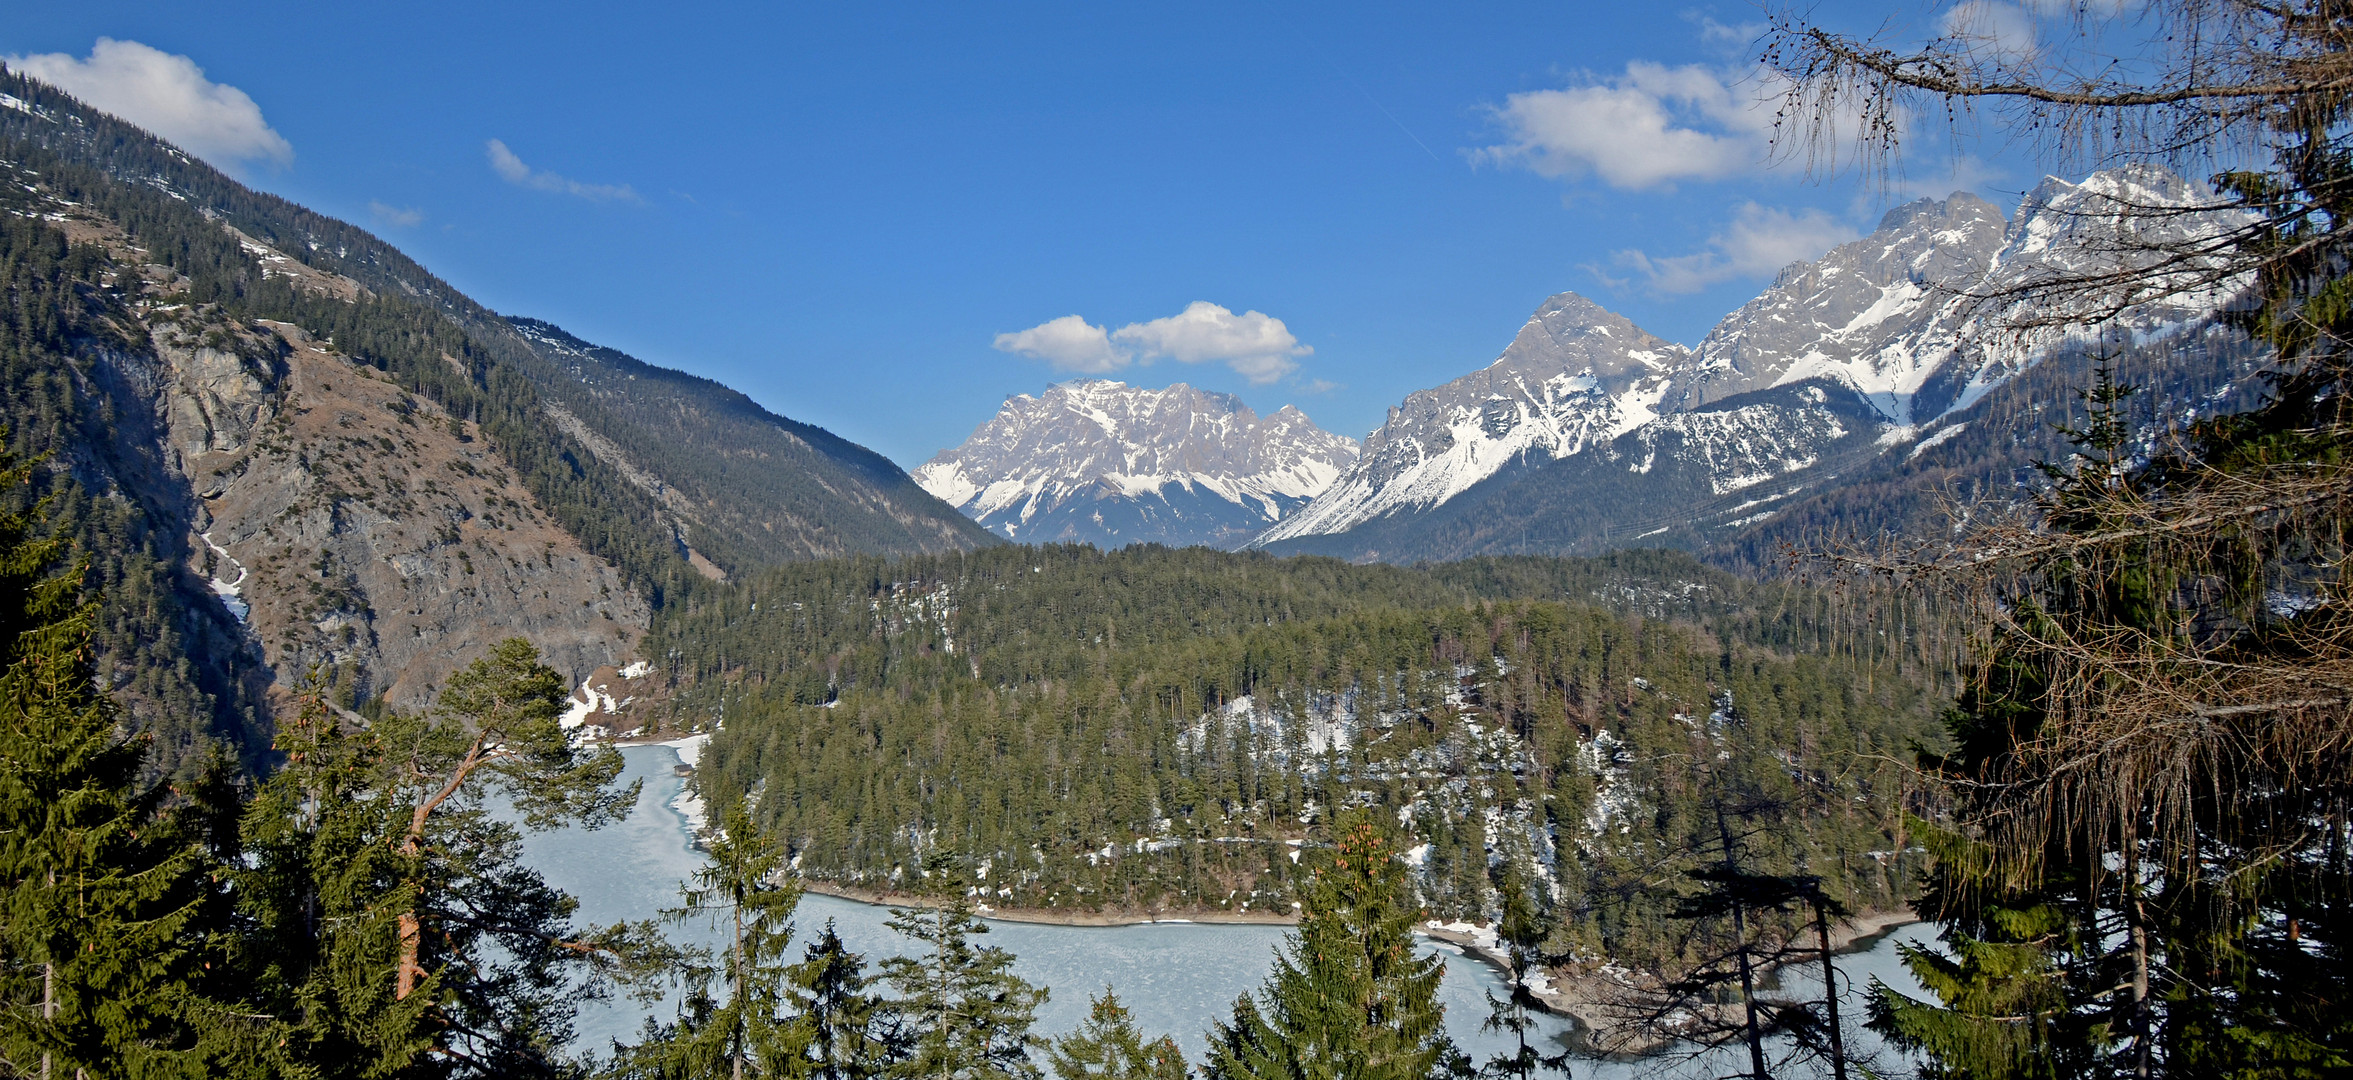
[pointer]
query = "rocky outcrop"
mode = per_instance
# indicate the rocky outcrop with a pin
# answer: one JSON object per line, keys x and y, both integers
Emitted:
{"x": 356, "y": 528}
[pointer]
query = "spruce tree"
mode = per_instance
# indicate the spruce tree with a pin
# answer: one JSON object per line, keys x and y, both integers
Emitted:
{"x": 1521, "y": 932}
{"x": 99, "y": 893}
{"x": 1349, "y": 998}
{"x": 966, "y": 1016}
{"x": 851, "y": 1034}
{"x": 1107, "y": 1046}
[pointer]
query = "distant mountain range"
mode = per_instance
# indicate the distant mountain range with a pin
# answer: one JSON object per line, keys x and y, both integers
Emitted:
{"x": 1920, "y": 354}
{"x": 1827, "y": 401}
{"x": 1102, "y": 462}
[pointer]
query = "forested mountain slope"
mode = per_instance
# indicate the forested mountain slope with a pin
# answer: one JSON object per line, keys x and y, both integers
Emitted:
{"x": 1156, "y": 729}
{"x": 743, "y": 487}
{"x": 387, "y": 471}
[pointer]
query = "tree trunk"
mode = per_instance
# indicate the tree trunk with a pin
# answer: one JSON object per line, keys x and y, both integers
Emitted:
{"x": 1748, "y": 984}
{"x": 48, "y": 990}
{"x": 1829, "y": 990}
{"x": 739, "y": 1002}
{"x": 2137, "y": 912}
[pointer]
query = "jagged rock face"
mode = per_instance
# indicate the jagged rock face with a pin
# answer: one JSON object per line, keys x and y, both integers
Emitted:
{"x": 1913, "y": 323}
{"x": 1103, "y": 462}
{"x": 1576, "y": 376}
{"x": 346, "y": 522}
{"x": 1930, "y": 310}
{"x": 1868, "y": 313}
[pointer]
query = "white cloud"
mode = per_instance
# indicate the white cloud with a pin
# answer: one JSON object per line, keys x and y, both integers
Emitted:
{"x": 399, "y": 217}
{"x": 1758, "y": 242}
{"x": 1736, "y": 38}
{"x": 1067, "y": 343}
{"x": 167, "y": 94}
{"x": 1257, "y": 345}
{"x": 1653, "y": 125}
{"x": 1254, "y": 344}
{"x": 2001, "y": 31}
{"x": 504, "y": 162}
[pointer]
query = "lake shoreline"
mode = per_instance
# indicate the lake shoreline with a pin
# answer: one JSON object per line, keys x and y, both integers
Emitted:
{"x": 1052, "y": 917}
{"x": 1602, "y": 998}
{"x": 1595, "y": 1000}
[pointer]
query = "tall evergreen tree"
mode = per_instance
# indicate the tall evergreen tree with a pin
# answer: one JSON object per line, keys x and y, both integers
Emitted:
{"x": 2153, "y": 781}
{"x": 477, "y": 933}
{"x": 751, "y": 1030}
{"x": 1521, "y": 932}
{"x": 852, "y": 1035}
{"x": 98, "y": 891}
{"x": 1349, "y": 998}
{"x": 966, "y": 1015}
{"x": 320, "y": 897}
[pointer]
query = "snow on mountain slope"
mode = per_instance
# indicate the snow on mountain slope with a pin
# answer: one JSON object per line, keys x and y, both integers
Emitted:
{"x": 1939, "y": 303}
{"x": 1921, "y": 318}
{"x": 1575, "y": 376}
{"x": 1868, "y": 313}
{"x": 1103, "y": 462}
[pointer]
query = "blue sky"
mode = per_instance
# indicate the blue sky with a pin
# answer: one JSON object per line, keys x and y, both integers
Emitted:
{"x": 873, "y": 219}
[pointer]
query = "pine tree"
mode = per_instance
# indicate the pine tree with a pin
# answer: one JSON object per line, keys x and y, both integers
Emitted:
{"x": 966, "y": 1015}
{"x": 477, "y": 933}
{"x": 101, "y": 892}
{"x": 1349, "y": 998}
{"x": 1107, "y": 1046}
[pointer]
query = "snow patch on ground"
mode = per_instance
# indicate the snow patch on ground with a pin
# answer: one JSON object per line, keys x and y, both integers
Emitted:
{"x": 232, "y": 593}
{"x": 1933, "y": 441}
{"x": 689, "y": 800}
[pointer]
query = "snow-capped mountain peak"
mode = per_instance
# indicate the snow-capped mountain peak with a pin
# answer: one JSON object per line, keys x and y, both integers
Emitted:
{"x": 1576, "y": 375}
{"x": 1102, "y": 461}
{"x": 1841, "y": 358}
{"x": 1937, "y": 304}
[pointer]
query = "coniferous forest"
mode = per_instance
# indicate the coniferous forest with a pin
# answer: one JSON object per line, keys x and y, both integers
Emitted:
{"x": 1162, "y": 729}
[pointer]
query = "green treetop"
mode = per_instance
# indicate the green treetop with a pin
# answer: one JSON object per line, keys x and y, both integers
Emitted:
{"x": 1107, "y": 1046}
{"x": 966, "y": 1015}
{"x": 1349, "y": 999}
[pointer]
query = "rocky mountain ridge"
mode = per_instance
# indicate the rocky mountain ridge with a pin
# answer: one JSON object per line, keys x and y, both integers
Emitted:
{"x": 1575, "y": 376}
{"x": 1098, "y": 461}
{"x": 1878, "y": 346}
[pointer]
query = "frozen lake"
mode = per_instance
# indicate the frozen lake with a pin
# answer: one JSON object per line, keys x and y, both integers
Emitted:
{"x": 1178, "y": 978}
